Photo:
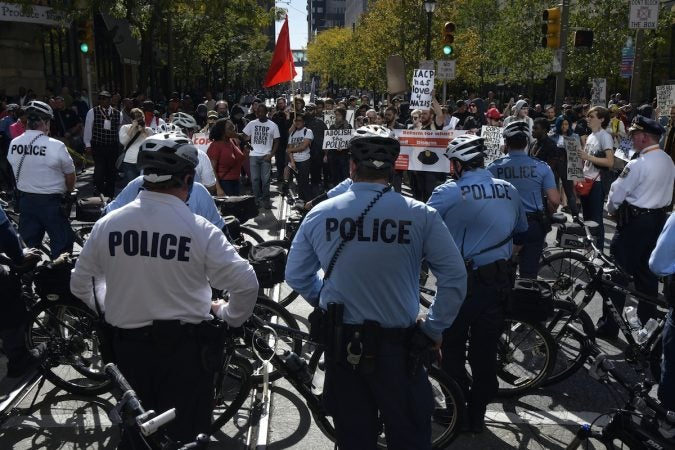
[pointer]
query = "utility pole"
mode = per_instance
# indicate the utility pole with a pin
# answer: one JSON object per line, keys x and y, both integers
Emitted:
{"x": 560, "y": 76}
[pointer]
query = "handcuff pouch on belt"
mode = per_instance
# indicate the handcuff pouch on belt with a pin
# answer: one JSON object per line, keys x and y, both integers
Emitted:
{"x": 626, "y": 212}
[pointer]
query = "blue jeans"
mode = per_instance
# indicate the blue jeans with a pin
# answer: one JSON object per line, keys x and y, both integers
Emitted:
{"x": 261, "y": 170}
{"x": 666, "y": 392}
{"x": 230, "y": 187}
{"x": 40, "y": 213}
{"x": 131, "y": 171}
{"x": 592, "y": 208}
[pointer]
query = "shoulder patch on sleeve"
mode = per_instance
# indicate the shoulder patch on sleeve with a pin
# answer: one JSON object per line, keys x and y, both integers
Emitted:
{"x": 624, "y": 172}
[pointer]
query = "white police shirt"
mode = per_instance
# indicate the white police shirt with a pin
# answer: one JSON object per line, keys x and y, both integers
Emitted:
{"x": 44, "y": 166}
{"x": 204, "y": 171}
{"x": 155, "y": 260}
{"x": 646, "y": 182}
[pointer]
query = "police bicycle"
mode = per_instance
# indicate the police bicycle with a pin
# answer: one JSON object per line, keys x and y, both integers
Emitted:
{"x": 573, "y": 329}
{"x": 131, "y": 417}
{"x": 642, "y": 424}
{"x": 261, "y": 336}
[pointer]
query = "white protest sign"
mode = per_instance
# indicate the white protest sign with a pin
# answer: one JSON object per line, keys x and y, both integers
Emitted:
{"x": 336, "y": 139}
{"x": 665, "y": 98}
{"x": 329, "y": 118}
{"x": 575, "y": 165}
{"x": 201, "y": 141}
{"x": 446, "y": 70}
{"x": 350, "y": 117}
{"x": 422, "y": 85}
{"x": 494, "y": 142}
{"x": 625, "y": 151}
{"x": 644, "y": 14}
{"x": 424, "y": 150}
{"x": 599, "y": 92}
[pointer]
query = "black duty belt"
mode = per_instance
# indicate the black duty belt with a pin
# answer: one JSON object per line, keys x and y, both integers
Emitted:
{"x": 31, "y": 194}
{"x": 637, "y": 211}
{"x": 386, "y": 333}
{"x": 146, "y": 334}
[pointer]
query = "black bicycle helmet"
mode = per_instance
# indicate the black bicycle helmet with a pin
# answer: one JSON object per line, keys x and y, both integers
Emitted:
{"x": 466, "y": 147}
{"x": 163, "y": 155}
{"x": 39, "y": 110}
{"x": 516, "y": 128}
{"x": 374, "y": 146}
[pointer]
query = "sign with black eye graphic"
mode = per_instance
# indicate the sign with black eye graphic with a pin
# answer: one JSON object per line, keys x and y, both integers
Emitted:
{"x": 424, "y": 150}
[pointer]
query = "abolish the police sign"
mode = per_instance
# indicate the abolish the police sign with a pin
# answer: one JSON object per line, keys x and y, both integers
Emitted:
{"x": 336, "y": 139}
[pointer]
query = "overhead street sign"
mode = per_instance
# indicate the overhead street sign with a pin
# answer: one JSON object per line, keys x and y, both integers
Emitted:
{"x": 644, "y": 14}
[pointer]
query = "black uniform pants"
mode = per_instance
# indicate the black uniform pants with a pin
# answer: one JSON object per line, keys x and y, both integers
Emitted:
{"x": 105, "y": 172}
{"x": 480, "y": 321}
{"x": 167, "y": 375}
{"x": 631, "y": 247}
{"x": 404, "y": 402}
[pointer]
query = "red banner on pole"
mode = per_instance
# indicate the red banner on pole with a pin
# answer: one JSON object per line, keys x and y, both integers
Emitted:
{"x": 281, "y": 68}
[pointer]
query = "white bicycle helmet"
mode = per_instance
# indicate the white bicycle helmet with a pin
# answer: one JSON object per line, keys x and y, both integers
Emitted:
{"x": 374, "y": 146}
{"x": 184, "y": 120}
{"x": 169, "y": 128}
{"x": 466, "y": 147}
{"x": 515, "y": 128}
{"x": 163, "y": 155}
{"x": 39, "y": 110}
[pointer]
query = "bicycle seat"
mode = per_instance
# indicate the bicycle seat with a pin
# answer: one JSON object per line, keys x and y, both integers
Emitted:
{"x": 558, "y": 218}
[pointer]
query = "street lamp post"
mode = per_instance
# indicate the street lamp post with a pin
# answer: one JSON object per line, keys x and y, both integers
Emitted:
{"x": 429, "y": 7}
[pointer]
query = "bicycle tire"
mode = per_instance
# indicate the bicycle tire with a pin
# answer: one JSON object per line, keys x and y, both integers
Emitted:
{"x": 234, "y": 385}
{"x": 565, "y": 270}
{"x": 73, "y": 362}
{"x": 248, "y": 235}
{"x": 574, "y": 338}
{"x": 449, "y": 410}
{"x": 82, "y": 234}
{"x": 526, "y": 355}
{"x": 267, "y": 309}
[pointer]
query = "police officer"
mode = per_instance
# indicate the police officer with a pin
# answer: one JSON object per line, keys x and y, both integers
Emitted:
{"x": 533, "y": 179}
{"x": 482, "y": 214}
{"x": 640, "y": 199}
{"x": 662, "y": 263}
{"x": 370, "y": 241}
{"x": 44, "y": 172}
{"x": 152, "y": 262}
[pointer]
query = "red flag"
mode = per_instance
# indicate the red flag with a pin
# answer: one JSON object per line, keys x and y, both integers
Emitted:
{"x": 282, "y": 67}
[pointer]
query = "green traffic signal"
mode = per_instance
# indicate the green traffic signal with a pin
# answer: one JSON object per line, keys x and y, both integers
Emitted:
{"x": 447, "y": 50}
{"x": 84, "y": 48}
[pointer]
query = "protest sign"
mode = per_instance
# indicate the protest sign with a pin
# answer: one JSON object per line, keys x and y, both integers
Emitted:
{"x": 599, "y": 92}
{"x": 424, "y": 150}
{"x": 665, "y": 98}
{"x": 422, "y": 85}
{"x": 336, "y": 139}
{"x": 625, "y": 151}
{"x": 494, "y": 141}
{"x": 329, "y": 118}
{"x": 201, "y": 141}
{"x": 350, "y": 117}
{"x": 575, "y": 165}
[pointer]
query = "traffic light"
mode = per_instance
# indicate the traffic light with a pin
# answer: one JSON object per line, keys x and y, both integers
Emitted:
{"x": 448, "y": 38}
{"x": 85, "y": 36}
{"x": 551, "y": 28}
{"x": 583, "y": 38}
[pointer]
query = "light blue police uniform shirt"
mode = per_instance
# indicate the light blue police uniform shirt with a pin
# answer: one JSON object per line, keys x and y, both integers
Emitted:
{"x": 530, "y": 176}
{"x": 376, "y": 275}
{"x": 340, "y": 188}
{"x": 480, "y": 211}
{"x": 200, "y": 201}
{"x": 662, "y": 260}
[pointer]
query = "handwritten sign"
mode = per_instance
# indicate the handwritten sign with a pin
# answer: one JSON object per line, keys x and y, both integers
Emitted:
{"x": 350, "y": 117}
{"x": 599, "y": 92}
{"x": 424, "y": 150}
{"x": 336, "y": 139}
{"x": 665, "y": 98}
{"x": 494, "y": 142}
{"x": 422, "y": 85}
{"x": 201, "y": 141}
{"x": 625, "y": 151}
{"x": 575, "y": 165}
{"x": 329, "y": 118}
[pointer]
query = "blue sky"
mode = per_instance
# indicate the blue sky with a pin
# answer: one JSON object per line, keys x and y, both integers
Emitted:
{"x": 297, "y": 24}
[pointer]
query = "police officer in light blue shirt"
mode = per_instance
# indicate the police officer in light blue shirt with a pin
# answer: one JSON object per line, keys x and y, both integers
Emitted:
{"x": 370, "y": 242}
{"x": 482, "y": 214}
{"x": 533, "y": 179}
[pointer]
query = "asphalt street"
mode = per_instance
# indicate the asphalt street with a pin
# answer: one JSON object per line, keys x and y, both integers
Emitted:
{"x": 48, "y": 418}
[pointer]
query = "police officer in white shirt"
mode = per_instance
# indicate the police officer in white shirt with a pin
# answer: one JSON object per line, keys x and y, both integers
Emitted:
{"x": 640, "y": 199}
{"x": 153, "y": 263}
{"x": 44, "y": 172}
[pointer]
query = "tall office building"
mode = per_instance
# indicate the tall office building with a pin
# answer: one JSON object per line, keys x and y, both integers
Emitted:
{"x": 324, "y": 14}
{"x": 353, "y": 11}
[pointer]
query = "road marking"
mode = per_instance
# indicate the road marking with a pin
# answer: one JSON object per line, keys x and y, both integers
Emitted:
{"x": 539, "y": 417}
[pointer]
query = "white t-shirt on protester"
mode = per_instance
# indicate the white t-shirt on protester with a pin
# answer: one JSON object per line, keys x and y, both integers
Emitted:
{"x": 44, "y": 166}
{"x": 131, "y": 154}
{"x": 596, "y": 143}
{"x": 296, "y": 138}
{"x": 262, "y": 136}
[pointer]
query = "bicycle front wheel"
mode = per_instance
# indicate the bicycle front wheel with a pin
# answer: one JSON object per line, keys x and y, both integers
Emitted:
{"x": 232, "y": 387}
{"x": 526, "y": 355}
{"x": 567, "y": 271}
{"x": 73, "y": 360}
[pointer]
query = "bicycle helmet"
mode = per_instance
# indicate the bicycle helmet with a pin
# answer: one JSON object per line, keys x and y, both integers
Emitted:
{"x": 184, "y": 120}
{"x": 516, "y": 128}
{"x": 39, "y": 110}
{"x": 163, "y": 155}
{"x": 374, "y": 146}
{"x": 169, "y": 128}
{"x": 466, "y": 147}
